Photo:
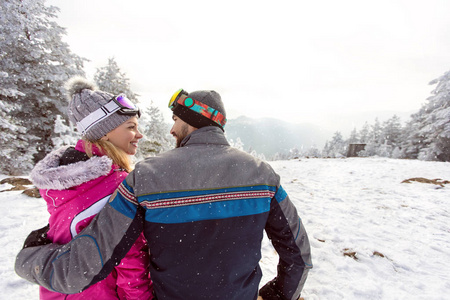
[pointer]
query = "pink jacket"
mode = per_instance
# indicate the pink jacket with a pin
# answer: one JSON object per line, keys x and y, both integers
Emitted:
{"x": 75, "y": 193}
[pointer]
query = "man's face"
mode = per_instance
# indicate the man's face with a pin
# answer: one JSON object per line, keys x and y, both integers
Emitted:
{"x": 180, "y": 129}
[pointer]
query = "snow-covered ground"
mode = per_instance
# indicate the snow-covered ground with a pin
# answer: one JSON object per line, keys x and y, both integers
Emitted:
{"x": 372, "y": 237}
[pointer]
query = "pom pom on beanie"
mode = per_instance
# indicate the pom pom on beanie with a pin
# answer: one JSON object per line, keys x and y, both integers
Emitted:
{"x": 77, "y": 84}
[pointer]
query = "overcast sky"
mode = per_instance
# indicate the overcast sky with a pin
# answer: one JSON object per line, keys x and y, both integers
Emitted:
{"x": 301, "y": 61}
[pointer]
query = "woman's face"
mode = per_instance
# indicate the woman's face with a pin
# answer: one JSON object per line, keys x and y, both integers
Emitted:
{"x": 126, "y": 136}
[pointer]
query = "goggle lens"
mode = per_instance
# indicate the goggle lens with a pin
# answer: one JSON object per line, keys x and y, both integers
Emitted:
{"x": 173, "y": 100}
{"x": 125, "y": 102}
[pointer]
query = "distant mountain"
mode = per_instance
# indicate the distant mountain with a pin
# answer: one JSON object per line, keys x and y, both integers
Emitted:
{"x": 269, "y": 136}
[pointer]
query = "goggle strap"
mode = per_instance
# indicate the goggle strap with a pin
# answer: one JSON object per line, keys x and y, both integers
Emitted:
{"x": 206, "y": 111}
{"x": 96, "y": 116}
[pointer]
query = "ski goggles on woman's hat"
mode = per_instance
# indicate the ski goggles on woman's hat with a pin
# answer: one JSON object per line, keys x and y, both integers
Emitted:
{"x": 196, "y": 106}
{"x": 118, "y": 104}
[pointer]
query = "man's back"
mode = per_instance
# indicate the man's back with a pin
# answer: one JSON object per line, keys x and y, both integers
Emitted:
{"x": 207, "y": 205}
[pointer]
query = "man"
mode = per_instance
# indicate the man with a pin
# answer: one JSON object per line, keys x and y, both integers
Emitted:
{"x": 203, "y": 208}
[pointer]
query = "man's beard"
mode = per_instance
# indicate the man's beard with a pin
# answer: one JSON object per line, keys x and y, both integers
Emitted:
{"x": 183, "y": 133}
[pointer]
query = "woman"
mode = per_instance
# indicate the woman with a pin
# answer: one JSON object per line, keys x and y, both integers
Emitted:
{"x": 76, "y": 182}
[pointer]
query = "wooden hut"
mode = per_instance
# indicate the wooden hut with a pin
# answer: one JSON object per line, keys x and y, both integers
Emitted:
{"x": 353, "y": 149}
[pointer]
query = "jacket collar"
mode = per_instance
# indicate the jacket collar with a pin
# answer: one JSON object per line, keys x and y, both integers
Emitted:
{"x": 206, "y": 135}
{"x": 48, "y": 174}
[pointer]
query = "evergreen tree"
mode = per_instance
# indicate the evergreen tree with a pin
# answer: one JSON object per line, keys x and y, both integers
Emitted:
{"x": 353, "y": 139}
{"x": 151, "y": 124}
{"x": 238, "y": 144}
{"x": 312, "y": 151}
{"x": 435, "y": 122}
{"x": 397, "y": 153}
{"x": 375, "y": 134}
{"x": 294, "y": 153}
{"x": 34, "y": 64}
{"x": 279, "y": 156}
{"x": 391, "y": 132}
{"x": 156, "y": 133}
{"x": 386, "y": 138}
{"x": 374, "y": 141}
{"x": 384, "y": 150}
{"x": 260, "y": 156}
{"x": 336, "y": 147}
{"x": 364, "y": 134}
{"x": 64, "y": 135}
{"x": 112, "y": 80}
{"x": 326, "y": 150}
{"x": 17, "y": 156}
{"x": 413, "y": 140}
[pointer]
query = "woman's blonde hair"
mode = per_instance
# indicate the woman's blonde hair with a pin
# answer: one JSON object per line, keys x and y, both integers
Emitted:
{"x": 118, "y": 156}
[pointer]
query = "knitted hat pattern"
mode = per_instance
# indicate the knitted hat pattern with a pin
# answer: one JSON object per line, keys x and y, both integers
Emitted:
{"x": 210, "y": 98}
{"x": 85, "y": 98}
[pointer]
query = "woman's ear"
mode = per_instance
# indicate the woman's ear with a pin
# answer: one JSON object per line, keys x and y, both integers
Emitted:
{"x": 104, "y": 138}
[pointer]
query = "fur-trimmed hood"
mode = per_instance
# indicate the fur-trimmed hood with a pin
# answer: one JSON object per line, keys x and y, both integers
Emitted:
{"x": 48, "y": 174}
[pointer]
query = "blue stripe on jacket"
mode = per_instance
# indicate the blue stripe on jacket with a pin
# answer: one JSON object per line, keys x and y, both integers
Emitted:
{"x": 124, "y": 202}
{"x": 280, "y": 194}
{"x": 196, "y": 205}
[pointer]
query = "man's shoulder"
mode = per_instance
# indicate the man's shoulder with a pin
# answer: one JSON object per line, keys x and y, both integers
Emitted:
{"x": 249, "y": 157}
{"x": 164, "y": 156}
{"x": 221, "y": 155}
{"x": 160, "y": 161}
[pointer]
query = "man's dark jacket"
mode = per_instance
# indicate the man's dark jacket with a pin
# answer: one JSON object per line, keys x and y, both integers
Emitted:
{"x": 203, "y": 208}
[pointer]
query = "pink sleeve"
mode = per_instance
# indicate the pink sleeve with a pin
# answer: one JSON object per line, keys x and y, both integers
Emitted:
{"x": 133, "y": 279}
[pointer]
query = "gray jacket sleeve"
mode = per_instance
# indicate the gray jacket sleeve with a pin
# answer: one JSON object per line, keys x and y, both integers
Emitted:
{"x": 85, "y": 260}
{"x": 288, "y": 236}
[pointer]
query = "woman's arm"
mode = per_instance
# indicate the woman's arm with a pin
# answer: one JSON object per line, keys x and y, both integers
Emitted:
{"x": 133, "y": 279}
{"x": 90, "y": 256}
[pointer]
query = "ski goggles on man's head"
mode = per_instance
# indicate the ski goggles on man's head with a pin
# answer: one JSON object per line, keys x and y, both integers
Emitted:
{"x": 197, "y": 107}
{"x": 120, "y": 104}
{"x": 173, "y": 101}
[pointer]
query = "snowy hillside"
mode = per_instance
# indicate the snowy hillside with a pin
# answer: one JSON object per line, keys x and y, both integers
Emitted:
{"x": 372, "y": 236}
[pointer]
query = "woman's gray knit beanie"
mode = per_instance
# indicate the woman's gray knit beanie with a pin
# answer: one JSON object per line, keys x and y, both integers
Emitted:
{"x": 85, "y": 98}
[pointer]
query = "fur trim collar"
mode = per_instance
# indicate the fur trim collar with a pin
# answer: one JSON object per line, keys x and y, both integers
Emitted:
{"x": 48, "y": 174}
